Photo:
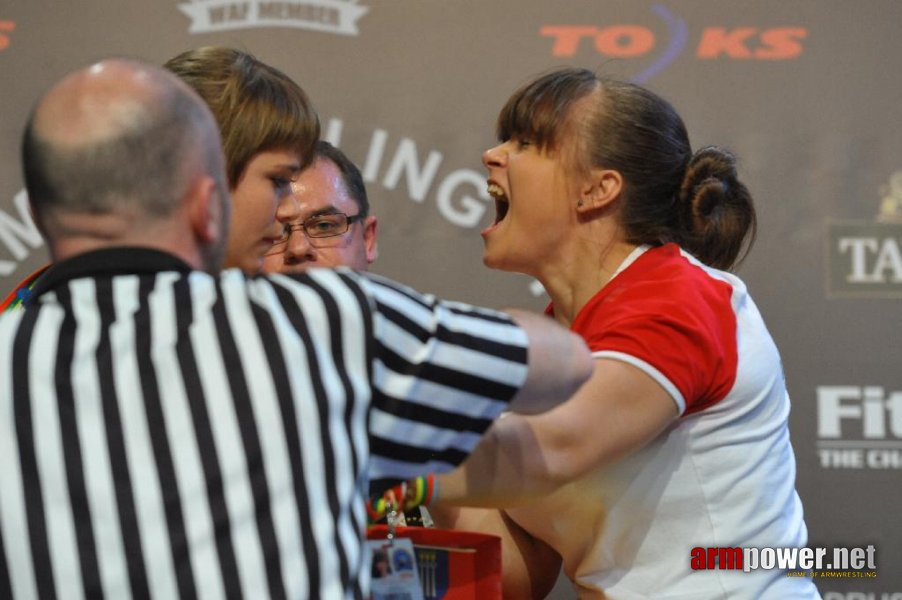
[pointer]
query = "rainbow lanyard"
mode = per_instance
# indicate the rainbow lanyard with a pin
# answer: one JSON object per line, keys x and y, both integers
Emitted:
{"x": 22, "y": 292}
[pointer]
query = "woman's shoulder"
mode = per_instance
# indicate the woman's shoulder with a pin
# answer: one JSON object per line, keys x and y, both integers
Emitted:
{"x": 666, "y": 279}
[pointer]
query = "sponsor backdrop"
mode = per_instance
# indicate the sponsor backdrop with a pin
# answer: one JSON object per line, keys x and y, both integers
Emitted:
{"x": 806, "y": 93}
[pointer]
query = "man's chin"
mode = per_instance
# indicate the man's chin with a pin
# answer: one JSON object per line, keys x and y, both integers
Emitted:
{"x": 271, "y": 266}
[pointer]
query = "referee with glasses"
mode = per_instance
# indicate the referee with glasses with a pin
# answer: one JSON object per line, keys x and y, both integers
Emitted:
{"x": 168, "y": 430}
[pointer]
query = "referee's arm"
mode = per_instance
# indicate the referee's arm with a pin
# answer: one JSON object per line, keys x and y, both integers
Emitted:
{"x": 558, "y": 364}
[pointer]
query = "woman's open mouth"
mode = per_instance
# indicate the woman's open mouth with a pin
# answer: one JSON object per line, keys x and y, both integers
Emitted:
{"x": 502, "y": 205}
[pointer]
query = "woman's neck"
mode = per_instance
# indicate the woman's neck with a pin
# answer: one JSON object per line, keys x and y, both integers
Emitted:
{"x": 589, "y": 268}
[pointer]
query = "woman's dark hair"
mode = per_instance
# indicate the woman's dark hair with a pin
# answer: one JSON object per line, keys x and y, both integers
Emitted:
{"x": 670, "y": 194}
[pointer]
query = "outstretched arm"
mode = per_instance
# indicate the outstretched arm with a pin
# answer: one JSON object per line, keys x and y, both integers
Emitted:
{"x": 443, "y": 371}
{"x": 619, "y": 410}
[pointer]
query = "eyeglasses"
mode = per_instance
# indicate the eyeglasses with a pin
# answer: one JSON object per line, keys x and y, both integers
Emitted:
{"x": 320, "y": 226}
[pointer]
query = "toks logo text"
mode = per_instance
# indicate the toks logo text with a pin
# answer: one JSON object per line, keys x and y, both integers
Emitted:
{"x": 664, "y": 46}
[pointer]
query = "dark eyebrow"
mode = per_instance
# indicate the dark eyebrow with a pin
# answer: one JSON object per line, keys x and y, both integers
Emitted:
{"x": 328, "y": 210}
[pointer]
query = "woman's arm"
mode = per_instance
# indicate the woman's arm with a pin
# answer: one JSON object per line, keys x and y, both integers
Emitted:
{"x": 619, "y": 410}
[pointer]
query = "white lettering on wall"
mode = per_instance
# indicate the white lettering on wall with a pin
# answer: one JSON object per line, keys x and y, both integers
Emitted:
{"x": 873, "y": 260}
{"x": 333, "y": 131}
{"x": 877, "y": 413}
{"x": 13, "y": 232}
{"x": 407, "y": 163}
{"x": 419, "y": 174}
{"x": 469, "y": 211}
{"x": 374, "y": 155}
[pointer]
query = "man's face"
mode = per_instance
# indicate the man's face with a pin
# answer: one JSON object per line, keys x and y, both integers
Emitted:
{"x": 320, "y": 190}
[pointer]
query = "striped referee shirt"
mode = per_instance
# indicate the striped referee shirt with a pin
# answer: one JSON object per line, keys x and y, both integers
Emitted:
{"x": 169, "y": 434}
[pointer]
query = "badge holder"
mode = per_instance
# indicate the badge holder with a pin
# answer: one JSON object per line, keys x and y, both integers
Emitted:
{"x": 394, "y": 566}
{"x": 450, "y": 564}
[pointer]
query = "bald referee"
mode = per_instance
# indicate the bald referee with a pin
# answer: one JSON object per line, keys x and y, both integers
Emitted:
{"x": 170, "y": 431}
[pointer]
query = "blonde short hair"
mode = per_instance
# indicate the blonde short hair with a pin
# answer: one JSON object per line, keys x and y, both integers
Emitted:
{"x": 257, "y": 107}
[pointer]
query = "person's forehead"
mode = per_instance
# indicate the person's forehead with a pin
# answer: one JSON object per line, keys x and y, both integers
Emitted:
{"x": 288, "y": 160}
{"x": 321, "y": 186}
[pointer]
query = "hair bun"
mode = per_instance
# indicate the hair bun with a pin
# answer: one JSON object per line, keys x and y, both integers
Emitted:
{"x": 710, "y": 175}
{"x": 715, "y": 204}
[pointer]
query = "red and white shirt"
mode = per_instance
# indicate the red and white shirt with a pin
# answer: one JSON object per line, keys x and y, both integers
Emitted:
{"x": 722, "y": 475}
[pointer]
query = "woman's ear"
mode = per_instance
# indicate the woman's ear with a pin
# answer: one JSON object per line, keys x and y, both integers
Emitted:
{"x": 601, "y": 188}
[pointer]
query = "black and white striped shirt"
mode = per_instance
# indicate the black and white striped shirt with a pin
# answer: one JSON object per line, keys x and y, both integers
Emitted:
{"x": 165, "y": 433}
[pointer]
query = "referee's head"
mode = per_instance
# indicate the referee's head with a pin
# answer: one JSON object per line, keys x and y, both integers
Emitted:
{"x": 122, "y": 153}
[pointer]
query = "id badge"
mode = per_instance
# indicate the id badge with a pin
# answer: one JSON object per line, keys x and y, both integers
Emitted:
{"x": 394, "y": 570}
